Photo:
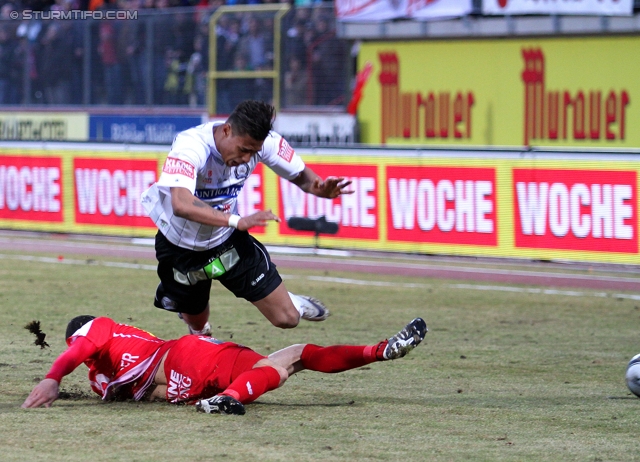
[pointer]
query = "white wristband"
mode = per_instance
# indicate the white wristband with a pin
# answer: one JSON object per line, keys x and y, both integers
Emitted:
{"x": 233, "y": 221}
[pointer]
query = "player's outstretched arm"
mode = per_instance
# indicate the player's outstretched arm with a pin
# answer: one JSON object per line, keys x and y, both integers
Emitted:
{"x": 260, "y": 218}
{"x": 189, "y": 207}
{"x": 46, "y": 392}
{"x": 43, "y": 394}
{"x": 330, "y": 188}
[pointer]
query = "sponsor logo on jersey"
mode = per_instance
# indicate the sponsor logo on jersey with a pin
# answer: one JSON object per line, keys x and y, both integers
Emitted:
{"x": 175, "y": 166}
{"x": 179, "y": 386}
{"x": 127, "y": 360}
{"x": 285, "y": 150}
{"x": 217, "y": 193}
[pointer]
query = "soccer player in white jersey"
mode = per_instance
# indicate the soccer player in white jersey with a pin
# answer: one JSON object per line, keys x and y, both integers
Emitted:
{"x": 200, "y": 235}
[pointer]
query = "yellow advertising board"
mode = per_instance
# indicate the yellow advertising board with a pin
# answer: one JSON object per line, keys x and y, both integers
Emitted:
{"x": 554, "y": 92}
{"x": 44, "y": 126}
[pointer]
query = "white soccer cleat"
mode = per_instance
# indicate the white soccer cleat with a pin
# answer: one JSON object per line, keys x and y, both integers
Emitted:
{"x": 312, "y": 308}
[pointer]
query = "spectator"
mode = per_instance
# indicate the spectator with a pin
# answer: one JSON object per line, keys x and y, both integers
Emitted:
{"x": 172, "y": 85}
{"x": 111, "y": 56}
{"x": 240, "y": 89}
{"x": 6, "y": 62}
{"x": 253, "y": 44}
{"x": 56, "y": 55}
{"x": 77, "y": 36}
{"x": 131, "y": 39}
{"x": 227, "y": 39}
{"x": 295, "y": 84}
{"x": 328, "y": 55}
{"x": 183, "y": 32}
{"x": 294, "y": 45}
{"x": 256, "y": 46}
{"x": 196, "y": 79}
{"x": 162, "y": 56}
{"x": 28, "y": 33}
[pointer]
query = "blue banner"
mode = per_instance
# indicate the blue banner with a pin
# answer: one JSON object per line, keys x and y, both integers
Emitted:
{"x": 139, "y": 129}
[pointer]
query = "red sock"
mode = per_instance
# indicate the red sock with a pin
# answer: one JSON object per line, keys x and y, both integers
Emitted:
{"x": 248, "y": 386}
{"x": 338, "y": 358}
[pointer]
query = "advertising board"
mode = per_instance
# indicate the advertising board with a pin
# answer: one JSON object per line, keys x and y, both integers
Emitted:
{"x": 549, "y": 92}
{"x": 533, "y": 204}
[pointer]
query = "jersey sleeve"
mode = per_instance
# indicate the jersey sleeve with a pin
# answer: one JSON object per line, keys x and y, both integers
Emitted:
{"x": 79, "y": 351}
{"x": 182, "y": 164}
{"x": 98, "y": 331}
{"x": 279, "y": 156}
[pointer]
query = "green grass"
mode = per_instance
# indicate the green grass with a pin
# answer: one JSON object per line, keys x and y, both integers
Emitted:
{"x": 502, "y": 376}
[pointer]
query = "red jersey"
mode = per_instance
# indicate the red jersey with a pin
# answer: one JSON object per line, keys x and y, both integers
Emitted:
{"x": 123, "y": 360}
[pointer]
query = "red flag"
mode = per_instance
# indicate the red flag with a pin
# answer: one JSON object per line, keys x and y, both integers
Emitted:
{"x": 361, "y": 80}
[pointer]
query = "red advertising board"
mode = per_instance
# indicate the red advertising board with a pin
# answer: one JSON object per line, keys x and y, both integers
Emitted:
{"x": 108, "y": 191}
{"x": 356, "y": 214}
{"x": 251, "y": 196}
{"x": 31, "y": 188}
{"x": 592, "y": 210}
{"x": 452, "y": 205}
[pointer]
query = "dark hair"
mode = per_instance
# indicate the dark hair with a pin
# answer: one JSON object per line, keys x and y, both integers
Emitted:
{"x": 76, "y": 323}
{"x": 253, "y": 118}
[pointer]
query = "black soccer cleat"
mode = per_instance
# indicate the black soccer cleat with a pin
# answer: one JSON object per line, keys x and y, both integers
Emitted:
{"x": 406, "y": 340}
{"x": 220, "y": 404}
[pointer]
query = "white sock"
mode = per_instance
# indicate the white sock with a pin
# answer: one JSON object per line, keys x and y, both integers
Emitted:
{"x": 297, "y": 302}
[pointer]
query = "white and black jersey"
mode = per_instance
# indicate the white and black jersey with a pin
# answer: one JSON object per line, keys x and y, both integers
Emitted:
{"x": 195, "y": 163}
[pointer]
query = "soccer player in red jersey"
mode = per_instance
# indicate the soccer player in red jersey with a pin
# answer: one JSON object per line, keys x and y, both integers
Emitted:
{"x": 218, "y": 377}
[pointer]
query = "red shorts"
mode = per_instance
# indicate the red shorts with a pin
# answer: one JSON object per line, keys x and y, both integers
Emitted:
{"x": 199, "y": 367}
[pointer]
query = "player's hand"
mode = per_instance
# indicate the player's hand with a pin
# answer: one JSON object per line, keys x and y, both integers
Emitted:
{"x": 260, "y": 218}
{"x": 332, "y": 187}
{"x": 43, "y": 394}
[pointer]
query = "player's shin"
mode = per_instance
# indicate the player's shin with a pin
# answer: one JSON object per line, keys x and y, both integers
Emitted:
{"x": 337, "y": 358}
{"x": 250, "y": 385}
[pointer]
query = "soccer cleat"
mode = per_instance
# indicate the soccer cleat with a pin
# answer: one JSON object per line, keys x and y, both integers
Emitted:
{"x": 206, "y": 330}
{"x": 220, "y": 404}
{"x": 313, "y": 309}
{"x": 406, "y": 340}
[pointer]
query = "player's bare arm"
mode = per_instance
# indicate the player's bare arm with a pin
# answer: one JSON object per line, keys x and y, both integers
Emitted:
{"x": 330, "y": 188}
{"x": 189, "y": 207}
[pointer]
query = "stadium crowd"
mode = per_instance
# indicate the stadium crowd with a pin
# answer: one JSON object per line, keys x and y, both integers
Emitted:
{"x": 162, "y": 56}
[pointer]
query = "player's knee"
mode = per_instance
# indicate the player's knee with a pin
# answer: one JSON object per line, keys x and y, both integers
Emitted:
{"x": 276, "y": 375}
{"x": 286, "y": 320}
{"x": 282, "y": 372}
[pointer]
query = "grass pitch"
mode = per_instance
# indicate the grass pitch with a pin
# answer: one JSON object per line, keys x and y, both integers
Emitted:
{"x": 501, "y": 376}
